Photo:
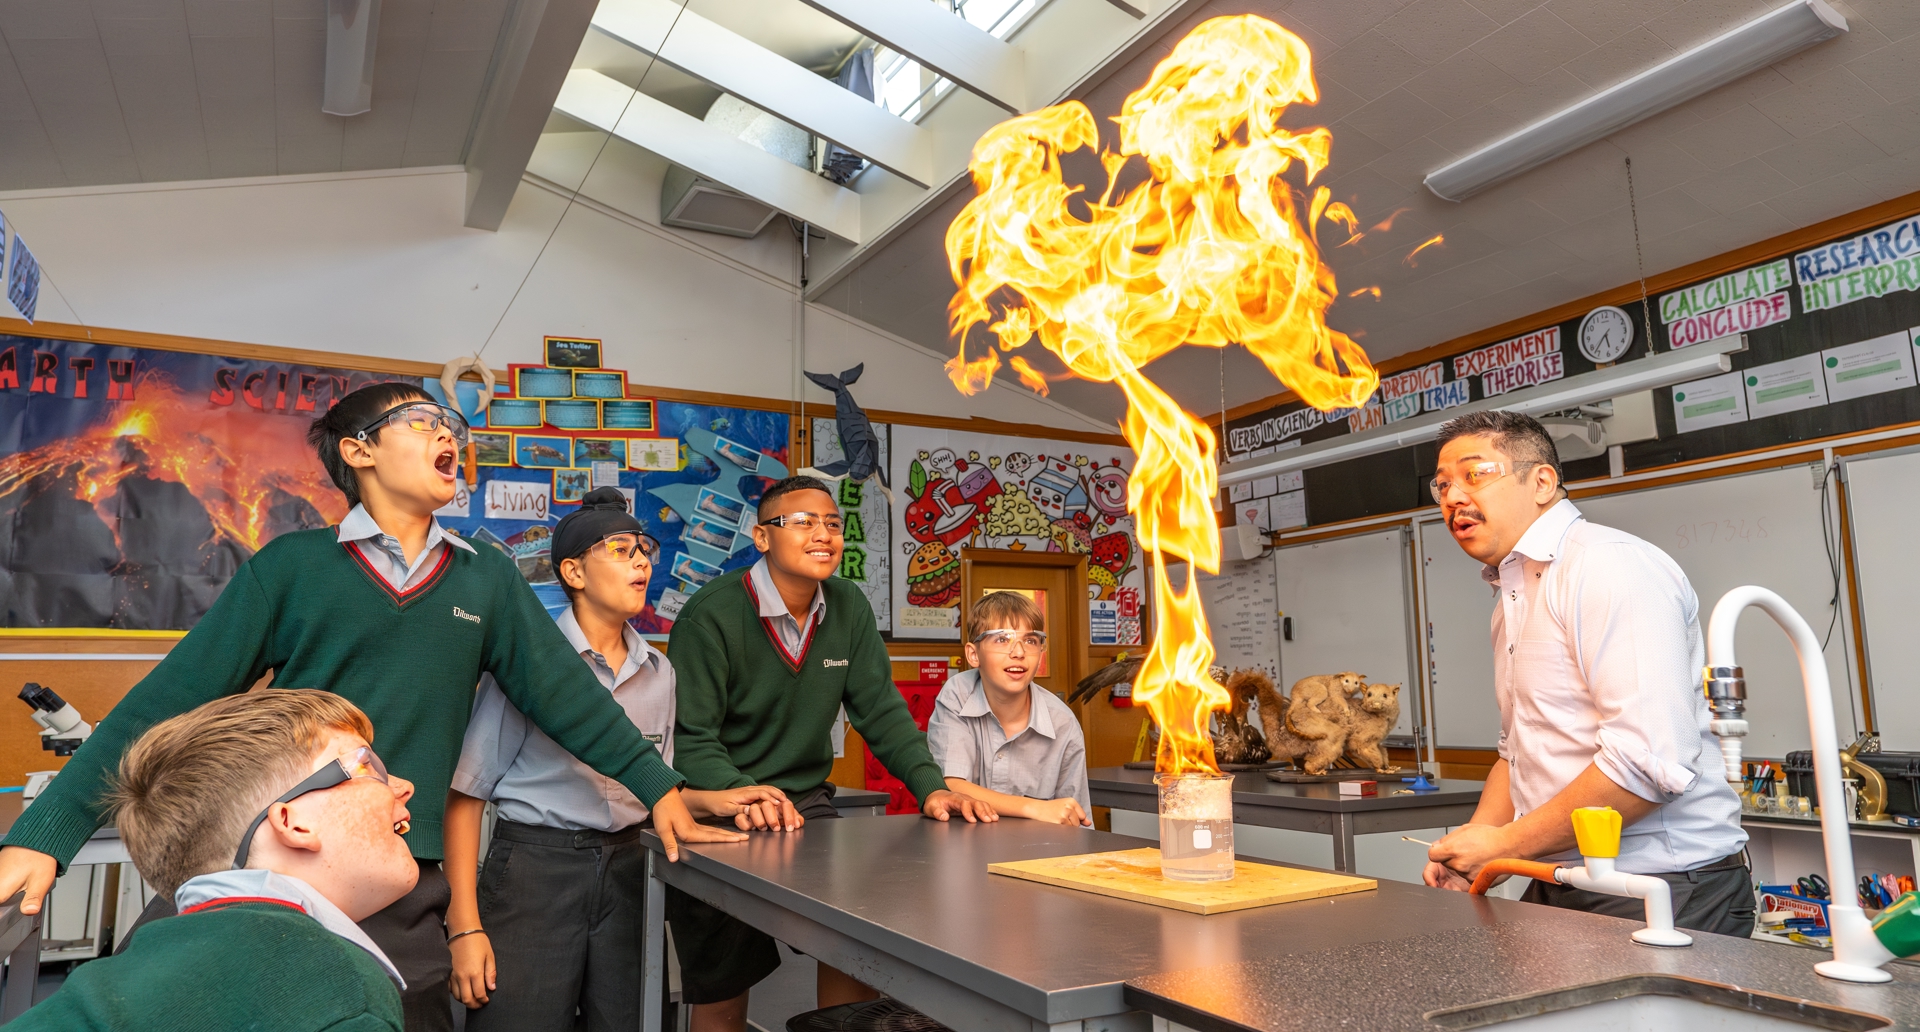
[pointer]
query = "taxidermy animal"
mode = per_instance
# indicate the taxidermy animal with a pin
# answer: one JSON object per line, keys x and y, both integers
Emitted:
{"x": 1118, "y": 672}
{"x": 1317, "y": 707}
{"x": 857, "y": 439}
{"x": 1314, "y": 755}
{"x": 1235, "y": 739}
{"x": 1370, "y": 715}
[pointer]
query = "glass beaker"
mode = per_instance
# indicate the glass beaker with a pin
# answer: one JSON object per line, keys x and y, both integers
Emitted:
{"x": 1196, "y": 826}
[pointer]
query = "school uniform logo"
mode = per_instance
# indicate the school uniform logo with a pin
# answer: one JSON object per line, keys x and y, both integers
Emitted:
{"x": 464, "y": 615}
{"x": 834, "y": 662}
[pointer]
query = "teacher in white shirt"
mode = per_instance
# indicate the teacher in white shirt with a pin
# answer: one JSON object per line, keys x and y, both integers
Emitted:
{"x": 1597, "y": 655}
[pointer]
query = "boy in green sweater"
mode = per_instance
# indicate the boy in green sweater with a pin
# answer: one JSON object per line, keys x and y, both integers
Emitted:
{"x": 268, "y": 817}
{"x": 400, "y": 617}
{"x": 765, "y": 658}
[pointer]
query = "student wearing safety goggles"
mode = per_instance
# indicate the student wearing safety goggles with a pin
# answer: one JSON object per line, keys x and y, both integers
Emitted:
{"x": 553, "y": 923}
{"x": 270, "y": 879}
{"x": 400, "y": 617}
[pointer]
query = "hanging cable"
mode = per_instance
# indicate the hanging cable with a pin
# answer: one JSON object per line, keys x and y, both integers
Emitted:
{"x": 1633, "y": 210}
{"x": 574, "y": 195}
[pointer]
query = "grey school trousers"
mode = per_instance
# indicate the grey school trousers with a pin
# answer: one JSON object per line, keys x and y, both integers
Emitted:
{"x": 564, "y": 911}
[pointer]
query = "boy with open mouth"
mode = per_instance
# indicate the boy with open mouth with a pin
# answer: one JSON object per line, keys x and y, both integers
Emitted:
{"x": 399, "y": 617}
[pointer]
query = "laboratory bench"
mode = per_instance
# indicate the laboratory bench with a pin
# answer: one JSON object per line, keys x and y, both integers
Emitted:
{"x": 906, "y": 905}
{"x": 1317, "y": 808}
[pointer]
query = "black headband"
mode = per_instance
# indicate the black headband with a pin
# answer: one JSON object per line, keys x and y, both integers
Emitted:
{"x": 602, "y": 514}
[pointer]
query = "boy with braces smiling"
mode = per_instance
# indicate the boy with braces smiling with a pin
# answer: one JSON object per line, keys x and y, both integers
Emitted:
{"x": 371, "y": 610}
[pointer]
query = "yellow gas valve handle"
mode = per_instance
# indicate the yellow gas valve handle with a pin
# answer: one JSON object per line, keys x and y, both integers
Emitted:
{"x": 1597, "y": 829}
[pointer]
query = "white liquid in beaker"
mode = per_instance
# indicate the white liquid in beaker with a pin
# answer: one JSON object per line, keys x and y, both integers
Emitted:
{"x": 1196, "y": 827}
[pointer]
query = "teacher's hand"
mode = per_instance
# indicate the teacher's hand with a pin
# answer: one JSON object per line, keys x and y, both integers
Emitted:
{"x": 1469, "y": 848}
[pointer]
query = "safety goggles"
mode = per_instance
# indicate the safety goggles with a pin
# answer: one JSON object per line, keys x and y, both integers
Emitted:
{"x": 835, "y": 525}
{"x": 1001, "y": 642}
{"x": 360, "y": 763}
{"x": 425, "y": 416}
{"x": 621, "y": 548}
{"x": 1474, "y": 476}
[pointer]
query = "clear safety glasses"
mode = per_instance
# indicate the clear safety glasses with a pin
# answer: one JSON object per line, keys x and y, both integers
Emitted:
{"x": 809, "y": 520}
{"x": 1474, "y": 476}
{"x": 621, "y": 548}
{"x": 425, "y": 416}
{"x": 1002, "y": 642}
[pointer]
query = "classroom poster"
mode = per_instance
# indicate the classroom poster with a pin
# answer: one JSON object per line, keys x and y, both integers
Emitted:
{"x": 134, "y": 482}
{"x": 1714, "y": 401}
{"x": 1789, "y": 386}
{"x": 868, "y": 558}
{"x": 1874, "y": 366}
{"x": 955, "y": 490}
{"x": 701, "y": 510}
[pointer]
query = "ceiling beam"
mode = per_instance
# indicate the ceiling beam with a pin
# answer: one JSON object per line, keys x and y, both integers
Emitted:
{"x": 942, "y": 41}
{"x": 535, "y": 51}
{"x": 599, "y": 101}
{"x": 770, "y": 82}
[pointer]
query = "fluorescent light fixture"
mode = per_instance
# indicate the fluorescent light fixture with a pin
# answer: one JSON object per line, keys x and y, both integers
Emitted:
{"x": 1644, "y": 374}
{"x": 1748, "y": 48}
{"x": 353, "y": 28}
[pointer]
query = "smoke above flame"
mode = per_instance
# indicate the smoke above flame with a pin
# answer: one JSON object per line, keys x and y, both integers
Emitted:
{"x": 1210, "y": 250}
{"x": 234, "y": 471}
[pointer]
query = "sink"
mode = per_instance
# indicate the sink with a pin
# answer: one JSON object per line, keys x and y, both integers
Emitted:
{"x": 1654, "y": 1003}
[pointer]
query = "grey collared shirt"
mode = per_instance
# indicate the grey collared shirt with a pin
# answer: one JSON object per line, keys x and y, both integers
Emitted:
{"x": 793, "y": 635}
{"x": 1048, "y": 760}
{"x": 531, "y": 779}
{"x": 382, "y": 550}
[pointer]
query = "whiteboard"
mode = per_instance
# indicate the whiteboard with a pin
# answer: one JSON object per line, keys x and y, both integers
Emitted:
{"x": 1755, "y": 528}
{"x": 1347, "y": 597}
{"x": 1459, "y": 609}
{"x": 1883, "y": 494}
{"x": 1242, "y": 616}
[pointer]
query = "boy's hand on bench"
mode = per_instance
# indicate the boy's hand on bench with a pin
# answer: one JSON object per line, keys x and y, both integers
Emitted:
{"x": 29, "y": 869}
{"x": 674, "y": 823}
{"x": 943, "y": 804}
{"x": 754, "y": 808}
{"x": 1059, "y": 811}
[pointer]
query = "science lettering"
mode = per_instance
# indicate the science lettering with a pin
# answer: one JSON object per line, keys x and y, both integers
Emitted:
{"x": 1739, "y": 318}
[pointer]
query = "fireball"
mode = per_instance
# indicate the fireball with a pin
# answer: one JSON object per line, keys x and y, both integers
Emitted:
{"x": 1210, "y": 250}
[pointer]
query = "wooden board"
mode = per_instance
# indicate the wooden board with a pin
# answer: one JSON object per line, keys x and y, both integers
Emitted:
{"x": 1134, "y": 874}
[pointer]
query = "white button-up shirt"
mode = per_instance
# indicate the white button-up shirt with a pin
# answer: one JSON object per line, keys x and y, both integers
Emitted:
{"x": 382, "y": 550}
{"x": 1597, "y": 653}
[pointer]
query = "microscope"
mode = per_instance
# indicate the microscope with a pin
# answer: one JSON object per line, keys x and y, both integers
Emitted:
{"x": 61, "y": 732}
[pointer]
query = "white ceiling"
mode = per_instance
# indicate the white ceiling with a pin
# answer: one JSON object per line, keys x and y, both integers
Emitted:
{"x": 129, "y": 91}
{"x": 1407, "y": 86}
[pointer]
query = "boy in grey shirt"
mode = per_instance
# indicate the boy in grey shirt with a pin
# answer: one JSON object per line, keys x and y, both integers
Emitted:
{"x": 1002, "y": 739}
{"x": 554, "y": 923}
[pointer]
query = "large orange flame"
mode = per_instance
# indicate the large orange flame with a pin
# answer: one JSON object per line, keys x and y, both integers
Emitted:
{"x": 1209, "y": 250}
{"x": 232, "y": 469}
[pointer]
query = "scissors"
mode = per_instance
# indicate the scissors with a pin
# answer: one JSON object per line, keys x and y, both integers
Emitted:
{"x": 1812, "y": 886}
{"x": 1870, "y": 891}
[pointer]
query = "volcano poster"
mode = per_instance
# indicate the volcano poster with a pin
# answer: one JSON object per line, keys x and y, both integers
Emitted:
{"x": 134, "y": 481}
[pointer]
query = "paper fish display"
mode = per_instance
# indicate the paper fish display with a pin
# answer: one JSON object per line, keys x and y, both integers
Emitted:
{"x": 858, "y": 442}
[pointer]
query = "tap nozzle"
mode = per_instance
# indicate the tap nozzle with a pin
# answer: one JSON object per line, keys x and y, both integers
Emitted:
{"x": 1726, "y": 691}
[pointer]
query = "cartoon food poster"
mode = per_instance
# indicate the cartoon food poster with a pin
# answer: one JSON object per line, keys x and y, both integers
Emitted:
{"x": 957, "y": 490}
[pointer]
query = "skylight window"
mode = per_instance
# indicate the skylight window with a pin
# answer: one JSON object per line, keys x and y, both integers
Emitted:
{"x": 909, "y": 91}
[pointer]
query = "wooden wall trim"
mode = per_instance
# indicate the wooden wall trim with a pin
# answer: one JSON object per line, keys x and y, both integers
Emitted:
{"x": 1707, "y": 268}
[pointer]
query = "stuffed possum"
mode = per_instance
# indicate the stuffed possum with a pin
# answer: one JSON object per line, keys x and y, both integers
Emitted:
{"x": 1235, "y": 740}
{"x": 1284, "y": 738}
{"x": 1370, "y": 716}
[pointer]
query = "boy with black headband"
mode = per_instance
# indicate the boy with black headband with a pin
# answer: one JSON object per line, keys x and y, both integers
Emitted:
{"x": 558, "y": 924}
{"x": 765, "y": 659}
{"x": 397, "y": 616}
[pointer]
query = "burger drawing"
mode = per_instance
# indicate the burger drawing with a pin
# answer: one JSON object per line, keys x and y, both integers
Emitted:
{"x": 933, "y": 577}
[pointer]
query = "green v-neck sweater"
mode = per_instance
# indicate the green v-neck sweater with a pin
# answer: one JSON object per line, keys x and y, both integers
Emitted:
{"x": 749, "y": 714}
{"x": 308, "y": 608}
{"x": 258, "y": 966}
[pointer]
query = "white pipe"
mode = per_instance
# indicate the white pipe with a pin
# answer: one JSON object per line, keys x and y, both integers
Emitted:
{"x": 1600, "y": 876}
{"x": 1857, "y": 954}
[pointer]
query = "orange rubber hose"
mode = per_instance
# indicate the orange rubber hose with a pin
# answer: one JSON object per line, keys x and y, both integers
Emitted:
{"x": 1525, "y": 868}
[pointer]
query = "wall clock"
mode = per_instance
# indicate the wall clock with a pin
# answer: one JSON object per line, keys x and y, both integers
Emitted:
{"x": 1605, "y": 334}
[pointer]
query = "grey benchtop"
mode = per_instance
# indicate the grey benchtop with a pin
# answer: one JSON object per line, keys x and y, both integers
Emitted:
{"x": 1255, "y": 789}
{"x": 1391, "y": 984}
{"x": 919, "y": 890}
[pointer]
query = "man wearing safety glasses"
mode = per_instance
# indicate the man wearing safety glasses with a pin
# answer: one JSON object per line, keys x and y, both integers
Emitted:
{"x": 402, "y": 618}
{"x": 765, "y": 658}
{"x": 1596, "y": 653}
